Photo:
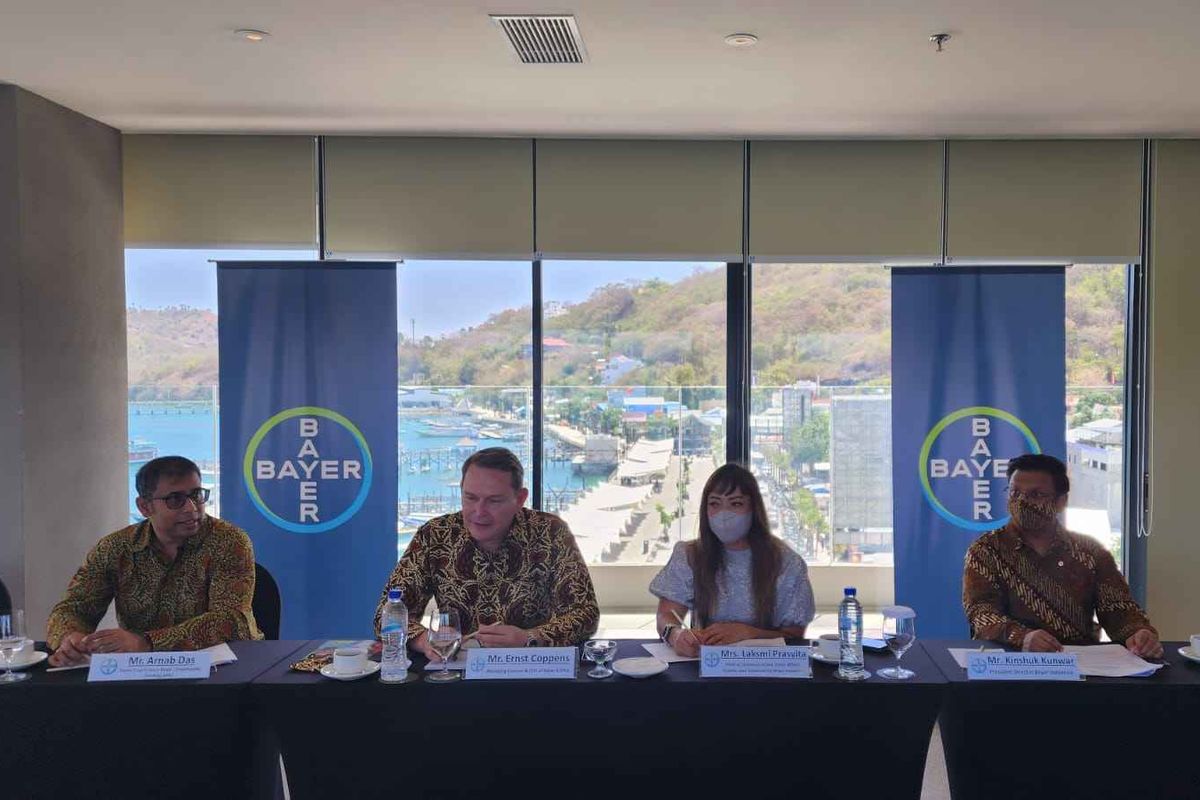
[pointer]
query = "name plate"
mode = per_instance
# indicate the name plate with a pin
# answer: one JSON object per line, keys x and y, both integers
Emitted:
{"x": 995, "y": 666}
{"x": 520, "y": 663}
{"x": 754, "y": 662}
{"x": 149, "y": 666}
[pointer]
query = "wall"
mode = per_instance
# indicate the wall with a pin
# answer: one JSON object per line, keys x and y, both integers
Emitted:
{"x": 1173, "y": 568}
{"x": 63, "y": 323}
{"x": 12, "y": 543}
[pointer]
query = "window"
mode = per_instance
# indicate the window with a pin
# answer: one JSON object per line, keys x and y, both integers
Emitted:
{"x": 1097, "y": 299}
{"x": 171, "y": 329}
{"x": 634, "y": 401}
{"x": 465, "y": 376}
{"x": 820, "y": 424}
{"x": 821, "y": 405}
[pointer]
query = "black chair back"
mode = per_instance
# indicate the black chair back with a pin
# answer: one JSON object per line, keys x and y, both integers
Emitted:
{"x": 5, "y": 600}
{"x": 267, "y": 605}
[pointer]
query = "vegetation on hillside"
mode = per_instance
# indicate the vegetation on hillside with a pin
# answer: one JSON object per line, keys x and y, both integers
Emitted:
{"x": 830, "y": 323}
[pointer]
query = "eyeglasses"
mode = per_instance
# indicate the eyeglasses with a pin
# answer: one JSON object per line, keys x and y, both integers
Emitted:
{"x": 175, "y": 500}
{"x": 1035, "y": 495}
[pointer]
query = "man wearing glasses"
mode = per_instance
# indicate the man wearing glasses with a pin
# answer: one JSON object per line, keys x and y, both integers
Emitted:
{"x": 182, "y": 580}
{"x": 1033, "y": 584}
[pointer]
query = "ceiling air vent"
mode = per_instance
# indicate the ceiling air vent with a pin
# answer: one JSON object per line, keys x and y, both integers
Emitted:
{"x": 542, "y": 38}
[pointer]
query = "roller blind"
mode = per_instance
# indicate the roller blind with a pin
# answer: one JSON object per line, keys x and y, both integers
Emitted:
{"x": 1043, "y": 200}
{"x": 428, "y": 198}
{"x": 220, "y": 191}
{"x": 845, "y": 201}
{"x": 648, "y": 199}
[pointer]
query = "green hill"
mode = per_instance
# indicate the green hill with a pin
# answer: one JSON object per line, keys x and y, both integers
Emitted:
{"x": 831, "y": 323}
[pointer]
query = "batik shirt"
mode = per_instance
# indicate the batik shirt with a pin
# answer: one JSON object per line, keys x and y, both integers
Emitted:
{"x": 536, "y": 580}
{"x": 200, "y": 599}
{"x": 1010, "y": 590}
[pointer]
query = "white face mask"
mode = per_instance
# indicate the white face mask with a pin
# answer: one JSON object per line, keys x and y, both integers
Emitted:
{"x": 729, "y": 526}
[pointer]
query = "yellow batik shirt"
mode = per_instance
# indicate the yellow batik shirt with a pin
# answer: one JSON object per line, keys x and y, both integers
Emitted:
{"x": 200, "y": 599}
{"x": 537, "y": 580}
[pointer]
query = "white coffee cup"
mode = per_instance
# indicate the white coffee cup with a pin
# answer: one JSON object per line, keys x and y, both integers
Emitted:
{"x": 349, "y": 660}
{"x": 829, "y": 646}
{"x": 1195, "y": 644}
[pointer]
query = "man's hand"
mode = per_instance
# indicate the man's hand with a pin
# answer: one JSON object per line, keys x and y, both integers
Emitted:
{"x": 1040, "y": 642}
{"x": 502, "y": 636}
{"x": 1145, "y": 643}
{"x": 727, "y": 633}
{"x": 421, "y": 645}
{"x": 115, "y": 640}
{"x": 685, "y": 642}
{"x": 71, "y": 651}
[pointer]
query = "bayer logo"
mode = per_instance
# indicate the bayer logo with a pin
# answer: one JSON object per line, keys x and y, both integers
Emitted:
{"x": 307, "y": 469}
{"x": 963, "y": 465}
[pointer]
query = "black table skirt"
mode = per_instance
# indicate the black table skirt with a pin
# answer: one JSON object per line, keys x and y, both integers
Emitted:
{"x": 1101, "y": 738}
{"x": 61, "y": 737}
{"x": 672, "y": 734}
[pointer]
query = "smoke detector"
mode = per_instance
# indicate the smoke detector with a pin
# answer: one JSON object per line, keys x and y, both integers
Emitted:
{"x": 542, "y": 38}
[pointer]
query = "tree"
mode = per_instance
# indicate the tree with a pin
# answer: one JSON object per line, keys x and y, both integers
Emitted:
{"x": 810, "y": 443}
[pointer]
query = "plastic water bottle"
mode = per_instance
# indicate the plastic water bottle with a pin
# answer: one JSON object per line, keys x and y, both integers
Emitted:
{"x": 393, "y": 631}
{"x": 850, "y": 631}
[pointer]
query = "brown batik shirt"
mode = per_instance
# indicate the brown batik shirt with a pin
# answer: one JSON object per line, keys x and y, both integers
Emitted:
{"x": 200, "y": 599}
{"x": 537, "y": 580}
{"x": 1010, "y": 590}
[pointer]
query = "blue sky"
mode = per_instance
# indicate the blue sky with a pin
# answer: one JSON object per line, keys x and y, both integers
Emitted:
{"x": 442, "y": 296}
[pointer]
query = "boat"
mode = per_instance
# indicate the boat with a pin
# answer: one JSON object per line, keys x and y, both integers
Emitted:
{"x": 141, "y": 451}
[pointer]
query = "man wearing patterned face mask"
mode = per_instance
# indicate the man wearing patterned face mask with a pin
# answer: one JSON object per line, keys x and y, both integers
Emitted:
{"x": 738, "y": 580}
{"x": 1035, "y": 585}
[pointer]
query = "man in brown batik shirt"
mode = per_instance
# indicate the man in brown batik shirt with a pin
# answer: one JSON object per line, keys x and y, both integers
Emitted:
{"x": 1033, "y": 584}
{"x": 515, "y": 576}
{"x": 181, "y": 579}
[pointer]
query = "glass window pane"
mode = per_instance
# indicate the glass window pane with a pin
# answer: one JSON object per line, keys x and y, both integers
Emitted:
{"x": 1097, "y": 299}
{"x": 465, "y": 376}
{"x": 634, "y": 399}
{"x": 820, "y": 425}
{"x": 171, "y": 330}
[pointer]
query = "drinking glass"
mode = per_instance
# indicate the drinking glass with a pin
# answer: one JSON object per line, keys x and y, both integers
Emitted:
{"x": 12, "y": 639}
{"x": 899, "y": 633}
{"x": 600, "y": 651}
{"x": 445, "y": 635}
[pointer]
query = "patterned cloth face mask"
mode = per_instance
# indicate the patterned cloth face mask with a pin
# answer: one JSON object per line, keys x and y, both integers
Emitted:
{"x": 729, "y": 526}
{"x": 1029, "y": 515}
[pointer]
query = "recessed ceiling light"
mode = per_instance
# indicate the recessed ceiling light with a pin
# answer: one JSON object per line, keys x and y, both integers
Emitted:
{"x": 741, "y": 40}
{"x": 252, "y": 35}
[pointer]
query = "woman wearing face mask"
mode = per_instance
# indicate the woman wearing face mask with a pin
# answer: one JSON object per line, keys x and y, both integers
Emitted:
{"x": 738, "y": 580}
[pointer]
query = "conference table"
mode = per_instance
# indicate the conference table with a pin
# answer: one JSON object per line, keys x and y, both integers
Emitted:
{"x": 1097, "y": 738}
{"x": 674, "y": 733}
{"x": 671, "y": 735}
{"x": 61, "y": 736}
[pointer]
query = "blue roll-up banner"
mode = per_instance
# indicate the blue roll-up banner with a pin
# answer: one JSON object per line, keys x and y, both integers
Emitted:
{"x": 308, "y": 432}
{"x": 978, "y": 378}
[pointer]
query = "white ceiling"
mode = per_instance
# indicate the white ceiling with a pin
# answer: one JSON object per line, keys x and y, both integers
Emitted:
{"x": 657, "y": 68}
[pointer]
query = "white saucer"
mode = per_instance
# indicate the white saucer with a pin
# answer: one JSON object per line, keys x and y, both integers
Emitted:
{"x": 643, "y": 667}
{"x": 815, "y": 655}
{"x": 25, "y": 659}
{"x": 1191, "y": 655}
{"x": 372, "y": 668}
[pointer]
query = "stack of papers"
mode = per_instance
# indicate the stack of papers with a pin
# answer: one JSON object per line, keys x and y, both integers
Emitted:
{"x": 1097, "y": 661}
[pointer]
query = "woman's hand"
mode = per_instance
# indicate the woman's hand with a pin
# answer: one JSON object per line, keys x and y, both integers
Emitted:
{"x": 727, "y": 633}
{"x": 685, "y": 642}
